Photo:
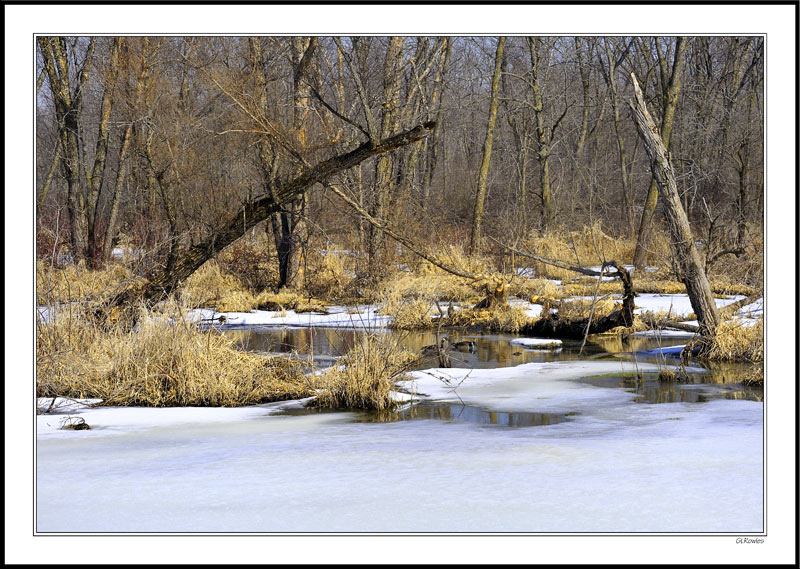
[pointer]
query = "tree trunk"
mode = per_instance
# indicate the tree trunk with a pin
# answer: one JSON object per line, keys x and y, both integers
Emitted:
{"x": 437, "y": 102}
{"x": 670, "y": 102}
{"x": 483, "y": 173}
{"x": 694, "y": 277}
{"x": 623, "y": 164}
{"x": 111, "y": 229}
{"x": 54, "y": 54}
{"x": 95, "y": 180}
{"x": 585, "y": 76}
{"x": 383, "y": 167}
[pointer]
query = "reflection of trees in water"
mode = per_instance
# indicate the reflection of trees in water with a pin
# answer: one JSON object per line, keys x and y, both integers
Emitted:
{"x": 497, "y": 351}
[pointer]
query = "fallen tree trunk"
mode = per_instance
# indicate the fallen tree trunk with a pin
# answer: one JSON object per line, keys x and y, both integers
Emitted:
{"x": 257, "y": 211}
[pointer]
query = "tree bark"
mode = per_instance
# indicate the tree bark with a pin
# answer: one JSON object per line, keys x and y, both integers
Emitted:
{"x": 670, "y": 103}
{"x": 437, "y": 102}
{"x": 95, "y": 180}
{"x": 483, "y": 173}
{"x": 694, "y": 277}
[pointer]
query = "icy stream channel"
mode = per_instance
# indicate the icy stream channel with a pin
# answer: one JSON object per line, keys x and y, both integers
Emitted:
{"x": 608, "y": 465}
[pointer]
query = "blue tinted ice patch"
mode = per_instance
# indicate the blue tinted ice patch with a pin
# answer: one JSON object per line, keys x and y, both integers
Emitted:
{"x": 671, "y": 351}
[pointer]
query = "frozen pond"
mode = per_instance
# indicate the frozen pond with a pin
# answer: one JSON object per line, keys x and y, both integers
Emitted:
{"x": 508, "y": 440}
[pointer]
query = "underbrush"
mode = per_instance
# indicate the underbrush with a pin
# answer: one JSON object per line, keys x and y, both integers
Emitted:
{"x": 582, "y": 309}
{"x": 76, "y": 282}
{"x": 366, "y": 375}
{"x": 586, "y": 247}
{"x": 498, "y": 319}
{"x": 737, "y": 342}
{"x": 164, "y": 361}
{"x": 211, "y": 287}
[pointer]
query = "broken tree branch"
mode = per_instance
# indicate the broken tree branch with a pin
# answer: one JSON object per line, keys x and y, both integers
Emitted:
{"x": 259, "y": 210}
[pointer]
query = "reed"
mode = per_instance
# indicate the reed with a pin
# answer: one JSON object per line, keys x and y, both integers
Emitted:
{"x": 367, "y": 374}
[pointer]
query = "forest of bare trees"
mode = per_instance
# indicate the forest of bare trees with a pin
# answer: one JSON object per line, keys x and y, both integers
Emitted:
{"x": 175, "y": 146}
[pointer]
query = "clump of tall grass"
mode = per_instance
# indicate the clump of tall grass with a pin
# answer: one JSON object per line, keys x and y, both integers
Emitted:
{"x": 366, "y": 375}
{"x": 734, "y": 341}
{"x": 164, "y": 361}
{"x": 582, "y": 309}
{"x": 76, "y": 282}
{"x": 496, "y": 319}
{"x": 288, "y": 299}
{"x": 721, "y": 284}
{"x": 534, "y": 290}
{"x": 211, "y": 287}
{"x": 408, "y": 314}
{"x": 456, "y": 257}
{"x": 328, "y": 275}
{"x": 587, "y": 247}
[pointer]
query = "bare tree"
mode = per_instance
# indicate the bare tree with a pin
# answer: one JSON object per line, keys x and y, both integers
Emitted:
{"x": 694, "y": 276}
{"x": 486, "y": 156}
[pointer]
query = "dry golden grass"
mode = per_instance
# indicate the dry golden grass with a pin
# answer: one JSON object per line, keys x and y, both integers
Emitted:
{"x": 211, "y": 287}
{"x": 367, "y": 374}
{"x": 587, "y": 247}
{"x": 328, "y": 275}
{"x": 163, "y": 362}
{"x": 574, "y": 310}
{"x": 76, "y": 282}
{"x": 736, "y": 342}
{"x": 534, "y": 290}
{"x": 721, "y": 284}
{"x": 456, "y": 257}
{"x": 652, "y": 284}
{"x": 412, "y": 299}
{"x": 500, "y": 319}
{"x": 409, "y": 314}
{"x": 287, "y": 299}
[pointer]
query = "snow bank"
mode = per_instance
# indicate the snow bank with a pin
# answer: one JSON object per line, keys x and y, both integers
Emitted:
{"x": 104, "y": 421}
{"x": 338, "y": 317}
{"x": 536, "y": 343}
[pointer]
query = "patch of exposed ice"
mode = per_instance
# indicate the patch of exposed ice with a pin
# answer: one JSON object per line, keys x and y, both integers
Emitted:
{"x": 532, "y": 387}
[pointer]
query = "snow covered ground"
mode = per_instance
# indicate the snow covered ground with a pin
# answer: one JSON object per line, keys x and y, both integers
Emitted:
{"x": 537, "y": 343}
{"x": 337, "y": 317}
{"x": 615, "y": 466}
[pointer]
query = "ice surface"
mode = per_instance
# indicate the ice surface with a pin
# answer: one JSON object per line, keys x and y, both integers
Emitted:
{"x": 617, "y": 466}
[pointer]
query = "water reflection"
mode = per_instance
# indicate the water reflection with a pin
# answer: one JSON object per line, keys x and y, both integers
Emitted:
{"x": 695, "y": 389}
{"x": 324, "y": 345}
{"x": 451, "y": 412}
{"x": 491, "y": 350}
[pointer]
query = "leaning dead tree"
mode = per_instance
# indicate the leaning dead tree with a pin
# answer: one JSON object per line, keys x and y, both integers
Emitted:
{"x": 259, "y": 210}
{"x": 689, "y": 262}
